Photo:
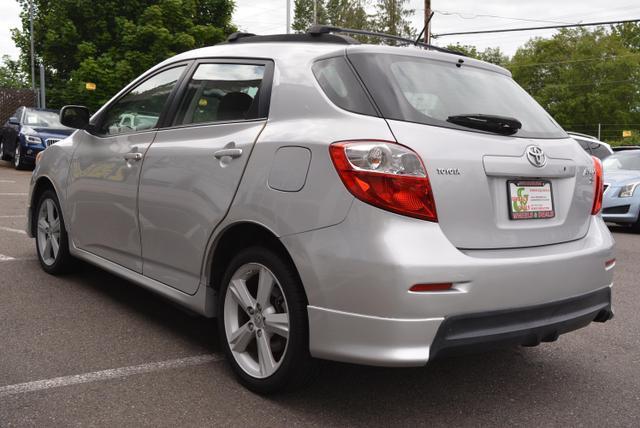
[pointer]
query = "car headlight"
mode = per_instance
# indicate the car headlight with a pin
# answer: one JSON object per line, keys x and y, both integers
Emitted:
{"x": 627, "y": 190}
{"x": 32, "y": 139}
{"x": 30, "y": 135}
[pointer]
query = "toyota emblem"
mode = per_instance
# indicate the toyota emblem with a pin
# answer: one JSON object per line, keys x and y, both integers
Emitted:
{"x": 536, "y": 156}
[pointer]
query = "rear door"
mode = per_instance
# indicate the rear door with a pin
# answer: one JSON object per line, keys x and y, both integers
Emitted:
{"x": 484, "y": 183}
{"x": 192, "y": 170}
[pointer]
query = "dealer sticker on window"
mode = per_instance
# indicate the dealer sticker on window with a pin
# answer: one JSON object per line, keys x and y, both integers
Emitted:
{"x": 530, "y": 199}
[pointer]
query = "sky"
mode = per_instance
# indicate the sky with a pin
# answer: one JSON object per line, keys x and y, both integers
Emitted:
{"x": 269, "y": 17}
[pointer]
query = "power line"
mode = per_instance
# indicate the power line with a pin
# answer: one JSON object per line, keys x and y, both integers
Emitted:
{"x": 474, "y": 16}
{"x": 548, "y": 27}
{"x": 609, "y": 58}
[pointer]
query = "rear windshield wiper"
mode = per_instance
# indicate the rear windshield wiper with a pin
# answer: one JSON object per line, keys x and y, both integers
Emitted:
{"x": 487, "y": 122}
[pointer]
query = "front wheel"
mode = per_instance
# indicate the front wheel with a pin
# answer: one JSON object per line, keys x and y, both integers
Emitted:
{"x": 52, "y": 241}
{"x": 263, "y": 324}
{"x": 18, "y": 159}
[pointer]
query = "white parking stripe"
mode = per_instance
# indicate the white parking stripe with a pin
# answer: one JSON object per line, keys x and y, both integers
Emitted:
{"x": 8, "y": 229}
{"x": 12, "y": 216}
{"x": 13, "y": 259}
{"x": 57, "y": 382}
{"x": 7, "y": 181}
{"x": 13, "y": 194}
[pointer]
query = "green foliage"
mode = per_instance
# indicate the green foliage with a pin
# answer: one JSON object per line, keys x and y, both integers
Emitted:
{"x": 303, "y": 14}
{"x": 492, "y": 55}
{"x": 584, "y": 77}
{"x": 392, "y": 17}
{"x": 347, "y": 14}
{"x": 110, "y": 42}
{"x": 10, "y": 74}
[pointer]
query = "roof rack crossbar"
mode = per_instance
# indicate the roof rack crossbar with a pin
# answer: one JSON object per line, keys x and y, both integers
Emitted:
{"x": 318, "y": 30}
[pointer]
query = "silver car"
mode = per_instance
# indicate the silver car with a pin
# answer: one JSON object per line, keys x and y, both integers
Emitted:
{"x": 326, "y": 199}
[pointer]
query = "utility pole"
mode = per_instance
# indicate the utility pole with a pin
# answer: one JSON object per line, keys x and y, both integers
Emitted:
{"x": 33, "y": 61}
{"x": 427, "y": 21}
{"x": 43, "y": 97}
{"x": 315, "y": 12}
{"x": 599, "y": 130}
{"x": 288, "y": 16}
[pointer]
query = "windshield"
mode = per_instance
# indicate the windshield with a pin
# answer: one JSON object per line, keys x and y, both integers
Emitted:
{"x": 629, "y": 161}
{"x": 414, "y": 89}
{"x": 43, "y": 119}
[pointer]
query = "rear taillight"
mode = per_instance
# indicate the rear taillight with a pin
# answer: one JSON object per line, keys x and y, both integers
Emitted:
{"x": 598, "y": 186}
{"x": 386, "y": 175}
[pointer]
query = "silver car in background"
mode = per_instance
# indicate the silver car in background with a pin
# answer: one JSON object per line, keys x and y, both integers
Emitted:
{"x": 326, "y": 199}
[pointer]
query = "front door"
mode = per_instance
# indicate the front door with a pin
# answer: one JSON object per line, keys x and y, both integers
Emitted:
{"x": 193, "y": 168}
{"x": 105, "y": 170}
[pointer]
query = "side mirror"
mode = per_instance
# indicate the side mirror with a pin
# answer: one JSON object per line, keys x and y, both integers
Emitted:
{"x": 14, "y": 121}
{"x": 75, "y": 117}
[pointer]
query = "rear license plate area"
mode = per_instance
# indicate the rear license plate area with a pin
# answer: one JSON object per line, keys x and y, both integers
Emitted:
{"x": 530, "y": 199}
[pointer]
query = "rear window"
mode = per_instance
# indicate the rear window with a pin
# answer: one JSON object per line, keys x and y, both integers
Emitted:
{"x": 425, "y": 91}
{"x": 339, "y": 83}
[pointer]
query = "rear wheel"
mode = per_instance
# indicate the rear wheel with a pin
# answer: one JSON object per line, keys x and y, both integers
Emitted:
{"x": 262, "y": 320}
{"x": 18, "y": 159}
{"x": 52, "y": 241}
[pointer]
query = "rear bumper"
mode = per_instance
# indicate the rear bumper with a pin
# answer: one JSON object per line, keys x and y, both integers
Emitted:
{"x": 357, "y": 276}
{"x": 523, "y": 326}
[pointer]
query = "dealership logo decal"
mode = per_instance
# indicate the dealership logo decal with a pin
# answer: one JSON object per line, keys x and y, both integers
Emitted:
{"x": 536, "y": 156}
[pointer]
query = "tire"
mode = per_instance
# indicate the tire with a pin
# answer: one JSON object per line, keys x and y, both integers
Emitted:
{"x": 50, "y": 230}
{"x": 3, "y": 155}
{"x": 18, "y": 159}
{"x": 258, "y": 331}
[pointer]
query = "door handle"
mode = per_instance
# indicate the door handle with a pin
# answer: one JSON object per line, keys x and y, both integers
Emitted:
{"x": 232, "y": 153}
{"x": 133, "y": 156}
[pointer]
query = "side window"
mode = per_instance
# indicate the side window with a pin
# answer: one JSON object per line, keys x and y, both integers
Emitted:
{"x": 220, "y": 93}
{"x": 140, "y": 109}
{"x": 339, "y": 83}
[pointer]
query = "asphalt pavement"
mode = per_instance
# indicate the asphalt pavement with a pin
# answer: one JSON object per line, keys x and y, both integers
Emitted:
{"x": 90, "y": 349}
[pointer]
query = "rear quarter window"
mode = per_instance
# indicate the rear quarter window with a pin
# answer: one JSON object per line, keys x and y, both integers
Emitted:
{"x": 339, "y": 82}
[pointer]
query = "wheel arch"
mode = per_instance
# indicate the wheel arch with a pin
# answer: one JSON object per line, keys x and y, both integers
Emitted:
{"x": 42, "y": 184}
{"x": 236, "y": 237}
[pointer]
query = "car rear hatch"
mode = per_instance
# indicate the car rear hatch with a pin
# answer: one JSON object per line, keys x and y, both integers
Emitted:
{"x": 516, "y": 188}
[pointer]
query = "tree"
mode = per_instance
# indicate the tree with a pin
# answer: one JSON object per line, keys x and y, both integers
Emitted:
{"x": 492, "y": 55}
{"x": 303, "y": 14}
{"x": 110, "y": 42}
{"x": 392, "y": 17}
{"x": 583, "y": 77}
{"x": 348, "y": 14}
{"x": 10, "y": 74}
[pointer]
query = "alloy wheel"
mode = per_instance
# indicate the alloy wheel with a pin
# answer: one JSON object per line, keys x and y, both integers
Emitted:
{"x": 256, "y": 320}
{"x": 48, "y": 232}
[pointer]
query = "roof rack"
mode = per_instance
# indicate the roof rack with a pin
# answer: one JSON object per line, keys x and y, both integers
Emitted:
{"x": 323, "y": 34}
{"x": 320, "y": 30}
{"x": 240, "y": 37}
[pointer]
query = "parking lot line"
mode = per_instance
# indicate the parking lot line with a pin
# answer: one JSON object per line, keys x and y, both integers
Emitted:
{"x": 13, "y": 194}
{"x": 12, "y": 216}
{"x": 8, "y": 229}
{"x": 4, "y": 258}
{"x": 7, "y": 181}
{"x": 121, "y": 372}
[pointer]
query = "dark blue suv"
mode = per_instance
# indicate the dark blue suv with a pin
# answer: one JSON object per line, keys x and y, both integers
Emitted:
{"x": 28, "y": 132}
